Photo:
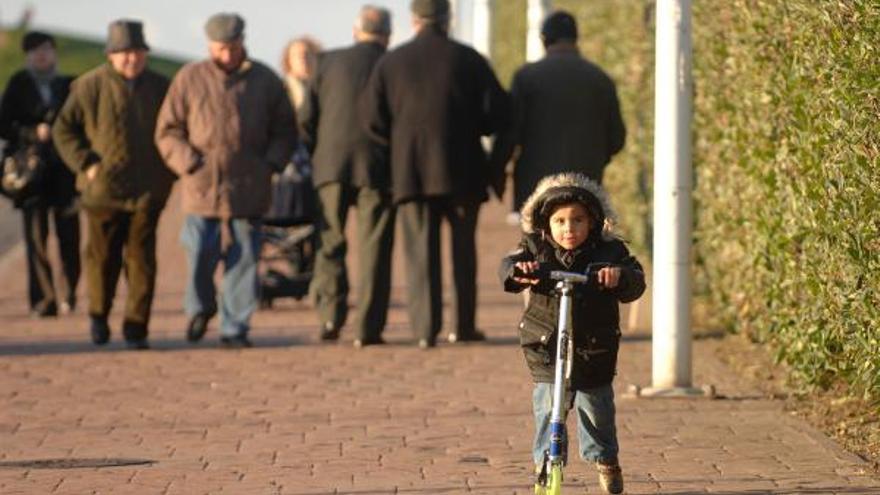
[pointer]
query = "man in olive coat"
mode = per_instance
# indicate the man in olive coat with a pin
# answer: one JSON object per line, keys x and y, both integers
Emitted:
{"x": 104, "y": 134}
{"x": 430, "y": 101}
{"x": 350, "y": 171}
{"x": 226, "y": 125}
{"x": 566, "y": 115}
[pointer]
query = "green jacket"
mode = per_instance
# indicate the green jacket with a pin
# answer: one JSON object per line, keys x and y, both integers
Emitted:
{"x": 109, "y": 123}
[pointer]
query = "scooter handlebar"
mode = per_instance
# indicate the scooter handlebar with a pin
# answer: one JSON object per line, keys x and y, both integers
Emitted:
{"x": 544, "y": 273}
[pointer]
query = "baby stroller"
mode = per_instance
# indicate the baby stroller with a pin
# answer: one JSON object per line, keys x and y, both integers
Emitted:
{"x": 289, "y": 234}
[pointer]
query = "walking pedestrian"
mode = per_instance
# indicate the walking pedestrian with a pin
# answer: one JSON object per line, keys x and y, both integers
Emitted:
{"x": 565, "y": 114}
{"x": 430, "y": 101}
{"x": 104, "y": 133}
{"x": 30, "y": 104}
{"x": 350, "y": 171}
{"x": 225, "y": 127}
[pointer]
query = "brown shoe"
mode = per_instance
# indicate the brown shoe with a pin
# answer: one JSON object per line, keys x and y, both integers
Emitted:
{"x": 610, "y": 477}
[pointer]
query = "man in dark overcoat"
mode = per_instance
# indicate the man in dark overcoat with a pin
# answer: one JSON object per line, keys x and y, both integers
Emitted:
{"x": 350, "y": 171}
{"x": 430, "y": 101}
{"x": 104, "y": 133}
{"x": 30, "y": 104}
{"x": 565, "y": 117}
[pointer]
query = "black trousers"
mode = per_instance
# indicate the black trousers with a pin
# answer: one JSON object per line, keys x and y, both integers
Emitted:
{"x": 375, "y": 236}
{"x": 117, "y": 238}
{"x": 41, "y": 290}
{"x": 420, "y": 222}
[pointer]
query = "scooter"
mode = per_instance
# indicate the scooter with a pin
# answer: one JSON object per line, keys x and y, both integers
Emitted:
{"x": 549, "y": 479}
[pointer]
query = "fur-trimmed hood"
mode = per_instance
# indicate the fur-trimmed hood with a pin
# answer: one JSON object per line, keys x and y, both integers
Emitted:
{"x": 567, "y": 180}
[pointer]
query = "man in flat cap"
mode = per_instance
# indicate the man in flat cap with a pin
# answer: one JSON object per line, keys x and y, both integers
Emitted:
{"x": 430, "y": 101}
{"x": 225, "y": 127}
{"x": 350, "y": 171}
{"x": 30, "y": 104}
{"x": 104, "y": 134}
{"x": 566, "y": 115}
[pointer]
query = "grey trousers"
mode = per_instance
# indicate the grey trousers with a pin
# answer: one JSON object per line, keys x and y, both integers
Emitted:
{"x": 375, "y": 237}
{"x": 420, "y": 221}
{"x": 41, "y": 291}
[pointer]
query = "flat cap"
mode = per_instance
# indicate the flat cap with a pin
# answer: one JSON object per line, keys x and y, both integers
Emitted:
{"x": 430, "y": 9}
{"x": 224, "y": 27}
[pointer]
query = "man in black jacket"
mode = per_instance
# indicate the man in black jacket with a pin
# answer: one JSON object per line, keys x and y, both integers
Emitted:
{"x": 350, "y": 170}
{"x": 30, "y": 104}
{"x": 430, "y": 101}
{"x": 566, "y": 115}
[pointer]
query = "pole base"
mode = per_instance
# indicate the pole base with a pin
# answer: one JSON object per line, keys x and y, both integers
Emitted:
{"x": 704, "y": 391}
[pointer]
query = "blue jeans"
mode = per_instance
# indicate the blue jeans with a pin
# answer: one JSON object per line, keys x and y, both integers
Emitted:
{"x": 597, "y": 434}
{"x": 200, "y": 237}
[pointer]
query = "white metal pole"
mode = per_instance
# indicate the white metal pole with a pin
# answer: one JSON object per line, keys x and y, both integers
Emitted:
{"x": 482, "y": 27}
{"x": 537, "y": 11}
{"x": 671, "y": 347}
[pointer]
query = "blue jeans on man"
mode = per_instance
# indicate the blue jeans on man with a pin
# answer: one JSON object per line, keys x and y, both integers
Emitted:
{"x": 201, "y": 237}
{"x": 596, "y": 430}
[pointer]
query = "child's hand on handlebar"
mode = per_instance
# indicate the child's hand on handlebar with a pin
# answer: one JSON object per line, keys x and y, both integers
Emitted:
{"x": 608, "y": 277}
{"x": 526, "y": 267}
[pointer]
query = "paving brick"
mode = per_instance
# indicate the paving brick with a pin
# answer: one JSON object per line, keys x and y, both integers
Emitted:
{"x": 294, "y": 416}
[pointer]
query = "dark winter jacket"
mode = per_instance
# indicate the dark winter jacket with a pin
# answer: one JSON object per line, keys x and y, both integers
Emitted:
{"x": 595, "y": 316}
{"x": 331, "y": 121}
{"x": 565, "y": 118}
{"x": 108, "y": 122}
{"x": 430, "y": 101}
{"x": 21, "y": 111}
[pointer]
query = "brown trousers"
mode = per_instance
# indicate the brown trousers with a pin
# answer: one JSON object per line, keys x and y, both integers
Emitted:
{"x": 118, "y": 238}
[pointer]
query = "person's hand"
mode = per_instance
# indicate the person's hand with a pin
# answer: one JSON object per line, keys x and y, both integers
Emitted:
{"x": 609, "y": 277}
{"x": 92, "y": 171}
{"x": 526, "y": 267}
{"x": 44, "y": 132}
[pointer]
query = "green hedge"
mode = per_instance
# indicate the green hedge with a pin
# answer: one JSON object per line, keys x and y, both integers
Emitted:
{"x": 787, "y": 154}
{"x": 786, "y": 146}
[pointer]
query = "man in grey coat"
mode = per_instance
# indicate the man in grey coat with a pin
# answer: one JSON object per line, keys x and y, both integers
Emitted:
{"x": 566, "y": 115}
{"x": 350, "y": 170}
{"x": 224, "y": 127}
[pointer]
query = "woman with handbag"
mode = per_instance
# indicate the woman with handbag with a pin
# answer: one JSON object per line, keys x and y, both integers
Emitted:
{"x": 35, "y": 178}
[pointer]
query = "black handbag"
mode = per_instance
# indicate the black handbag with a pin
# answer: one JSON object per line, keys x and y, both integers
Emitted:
{"x": 23, "y": 173}
{"x": 293, "y": 195}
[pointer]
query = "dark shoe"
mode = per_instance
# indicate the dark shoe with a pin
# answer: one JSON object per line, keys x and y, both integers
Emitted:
{"x": 473, "y": 336}
{"x": 100, "y": 330}
{"x": 237, "y": 342}
{"x": 329, "y": 332}
{"x": 198, "y": 326}
{"x": 137, "y": 345}
{"x": 50, "y": 311}
{"x": 610, "y": 477}
{"x": 360, "y": 343}
{"x": 427, "y": 343}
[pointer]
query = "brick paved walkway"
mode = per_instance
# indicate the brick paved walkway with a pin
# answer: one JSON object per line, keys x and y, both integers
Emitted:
{"x": 292, "y": 416}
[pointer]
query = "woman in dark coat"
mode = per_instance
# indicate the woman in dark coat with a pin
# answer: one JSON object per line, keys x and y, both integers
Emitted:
{"x": 29, "y": 105}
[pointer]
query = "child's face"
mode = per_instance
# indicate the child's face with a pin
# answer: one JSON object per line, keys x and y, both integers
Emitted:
{"x": 570, "y": 225}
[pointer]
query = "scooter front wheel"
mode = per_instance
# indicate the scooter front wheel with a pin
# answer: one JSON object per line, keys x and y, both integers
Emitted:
{"x": 552, "y": 485}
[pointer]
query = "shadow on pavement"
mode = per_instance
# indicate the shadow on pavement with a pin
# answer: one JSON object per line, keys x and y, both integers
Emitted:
{"x": 161, "y": 345}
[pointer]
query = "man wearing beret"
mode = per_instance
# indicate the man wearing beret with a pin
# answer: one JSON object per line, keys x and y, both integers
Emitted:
{"x": 104, "y": 134}
{"x": 430, "y": 101}
{"x": 30, "y": 104}
{"x": 350, "y": 171}
{"x": 225, "y": 127}
{"x": 566, "y": 115}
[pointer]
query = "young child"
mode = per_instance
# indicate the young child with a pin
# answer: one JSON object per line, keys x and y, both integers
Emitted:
{"x": 567, "y": 226}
